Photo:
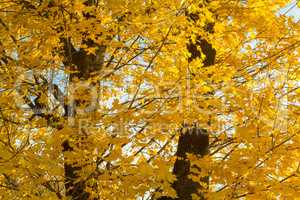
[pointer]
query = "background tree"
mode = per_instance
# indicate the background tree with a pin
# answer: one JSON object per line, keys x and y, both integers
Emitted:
{"x": 116, "y": 99}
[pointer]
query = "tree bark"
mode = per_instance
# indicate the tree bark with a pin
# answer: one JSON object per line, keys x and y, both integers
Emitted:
{"x": 85, "y": 65}
{"x": 196, "y": 140}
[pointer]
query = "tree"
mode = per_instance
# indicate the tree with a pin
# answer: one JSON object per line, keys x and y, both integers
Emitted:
{"x": 122, "y": 99}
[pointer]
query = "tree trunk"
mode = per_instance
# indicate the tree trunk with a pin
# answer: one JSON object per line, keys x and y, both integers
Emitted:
{"x": 195, "y": 140}
{"x": 85, "y": 65}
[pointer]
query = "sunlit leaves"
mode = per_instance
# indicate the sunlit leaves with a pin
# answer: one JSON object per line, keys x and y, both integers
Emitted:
{"x": 146, "y": 89}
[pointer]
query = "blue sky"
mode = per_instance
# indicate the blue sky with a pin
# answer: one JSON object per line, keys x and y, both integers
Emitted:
{"x": 292, "y": 10}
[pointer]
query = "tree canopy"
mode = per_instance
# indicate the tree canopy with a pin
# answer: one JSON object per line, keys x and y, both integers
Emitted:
{"x": 149, "y": 99}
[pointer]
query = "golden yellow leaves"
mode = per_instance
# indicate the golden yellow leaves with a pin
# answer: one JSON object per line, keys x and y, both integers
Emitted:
{"x": 246, "y": 132}
{"x": 249, "y": 88}
{"x": 79, "y": 7}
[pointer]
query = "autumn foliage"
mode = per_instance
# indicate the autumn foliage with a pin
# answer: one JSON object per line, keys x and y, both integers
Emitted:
{"x": 140, "y": 99}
